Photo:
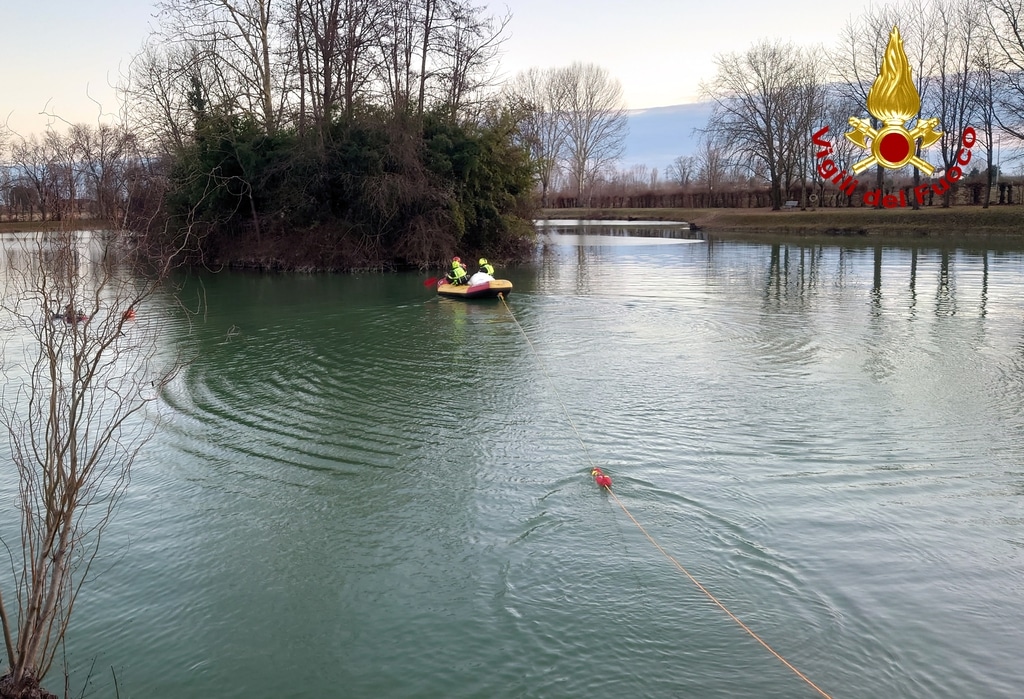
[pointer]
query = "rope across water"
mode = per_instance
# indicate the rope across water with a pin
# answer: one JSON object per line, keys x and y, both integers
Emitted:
{"x": 639, "y": 526}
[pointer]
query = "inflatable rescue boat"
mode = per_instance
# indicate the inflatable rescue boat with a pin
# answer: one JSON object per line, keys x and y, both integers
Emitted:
{"x": 489, "y": 289}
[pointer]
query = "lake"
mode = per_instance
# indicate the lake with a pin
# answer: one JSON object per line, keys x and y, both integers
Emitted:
{"x": 359, "y": 489}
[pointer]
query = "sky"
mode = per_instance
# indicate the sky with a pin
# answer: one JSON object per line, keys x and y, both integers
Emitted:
{"x": 64, "y": 56}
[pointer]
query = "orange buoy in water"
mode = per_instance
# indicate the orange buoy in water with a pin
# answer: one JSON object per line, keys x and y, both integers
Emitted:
{"x": 600, "y": 478}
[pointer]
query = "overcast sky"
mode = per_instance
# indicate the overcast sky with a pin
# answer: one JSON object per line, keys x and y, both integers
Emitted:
{"x": 62, "y": 56}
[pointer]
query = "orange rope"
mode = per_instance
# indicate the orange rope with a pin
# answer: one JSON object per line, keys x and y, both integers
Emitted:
{"x": 650, "y": 538}
{"x": 714, "y": 599}
{"x": 536, "y": 356}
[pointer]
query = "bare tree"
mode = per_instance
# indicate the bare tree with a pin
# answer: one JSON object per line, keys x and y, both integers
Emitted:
{"x": 857, "y": 57}
{"x": 756, "y": 94}
{"x": 435, "y": 52}
{"x": 468, "y": 46}
{"x": 4, "y": 139}
{"x": 31, "y": 158}
{"x": 360, "y": 20}
{"x": 6, "y": 179}
{"x": 165, "y": 88}
{"x": 1006, "y": 22}
{"x": 712, "y": 166}
{"x": 955, "y": 76}
{"x": 80, "y": 370}
{"x": 986, "y": 94}
{"x": 682, "y": 170}
{"x": 301, "y": 62}
{"x": 637, "y": 177}
{"x": 808, "y": 99}
{"x": 595, "y": 122}
{"x": 243, "y": 38}
{"x": 63, "y": 180}
{"x": 333, "y": 54}
{"x": 839, "y": 106}
{"x": 919, "y": 25}
{"x": 541, "y": 99}
{"x": 105, "y": 153}
{"x": 320, "y": 36}
{"x": 859, "y": 52}
{"x": 427, "y": 19}
{"x": 1006, "y": 31}
{"x": 397, "y": 47}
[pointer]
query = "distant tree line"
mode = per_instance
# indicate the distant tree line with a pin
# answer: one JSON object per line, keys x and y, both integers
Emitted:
{"x": 85, "y": 171}
{"x": 372, "y": 133}
{"x": 967, "y": 61}
{"x": 574, "y": 122}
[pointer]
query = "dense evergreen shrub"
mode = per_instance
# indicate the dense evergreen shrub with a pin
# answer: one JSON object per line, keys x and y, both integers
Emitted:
{"x": 374, "y": 190}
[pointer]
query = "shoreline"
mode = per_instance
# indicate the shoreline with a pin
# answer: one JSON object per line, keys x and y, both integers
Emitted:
{"x": 1000, "y": 222}
{"x": 85, "y": 224}
{"x": 998, "y": 219}
{"x": 961, "y": 221}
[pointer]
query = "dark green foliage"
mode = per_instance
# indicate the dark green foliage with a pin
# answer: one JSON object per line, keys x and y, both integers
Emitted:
{"x": 490, "y": 176}
{"x": 196, "y": 98}
{"x": 374, "y": 190}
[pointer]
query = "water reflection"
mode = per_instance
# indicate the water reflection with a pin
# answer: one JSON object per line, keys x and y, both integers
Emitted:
{"x": 792, "y": 271}
{"x": 578, "y": 231}
{"x": 945, "y": 292}
{"x": 353, "y": 465}
{"x": 913, "y": 282}
{"x": 982, "y": 308}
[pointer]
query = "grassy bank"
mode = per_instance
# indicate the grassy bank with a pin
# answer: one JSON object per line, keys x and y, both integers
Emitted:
{"x": 928, "y": 222}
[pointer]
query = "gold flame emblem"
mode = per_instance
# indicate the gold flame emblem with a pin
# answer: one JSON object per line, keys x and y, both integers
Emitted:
{"x": 894, "y": 101}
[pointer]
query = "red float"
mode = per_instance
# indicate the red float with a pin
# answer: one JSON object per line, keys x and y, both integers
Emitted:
{"x": 600, "y": 478}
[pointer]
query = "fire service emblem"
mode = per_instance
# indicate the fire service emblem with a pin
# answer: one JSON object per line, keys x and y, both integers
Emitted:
{"x": 893, "y": 100}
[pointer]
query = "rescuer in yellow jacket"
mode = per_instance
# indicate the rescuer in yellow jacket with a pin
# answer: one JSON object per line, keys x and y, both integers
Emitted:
{"x": 486, "y": 267}
{"x": 457, "y": 275}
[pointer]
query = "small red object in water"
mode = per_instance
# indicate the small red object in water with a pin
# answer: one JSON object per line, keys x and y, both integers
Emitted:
{"x": 600, "y": 478}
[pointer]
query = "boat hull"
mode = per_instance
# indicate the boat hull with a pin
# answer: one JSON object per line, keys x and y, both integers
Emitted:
{"x": 487, "y": 290}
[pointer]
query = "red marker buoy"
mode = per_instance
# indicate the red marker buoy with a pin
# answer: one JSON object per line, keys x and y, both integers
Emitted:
{"x": 600, "y": 478}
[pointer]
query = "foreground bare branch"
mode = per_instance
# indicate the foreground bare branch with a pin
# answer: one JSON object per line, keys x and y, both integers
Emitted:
{"x": 82, "y": 361}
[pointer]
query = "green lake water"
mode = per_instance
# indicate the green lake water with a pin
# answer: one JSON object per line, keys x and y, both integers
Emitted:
{"x": 358, "y": 489}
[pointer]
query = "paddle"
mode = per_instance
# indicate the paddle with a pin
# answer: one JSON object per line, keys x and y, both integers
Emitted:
{"x": 430, "y": 282}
